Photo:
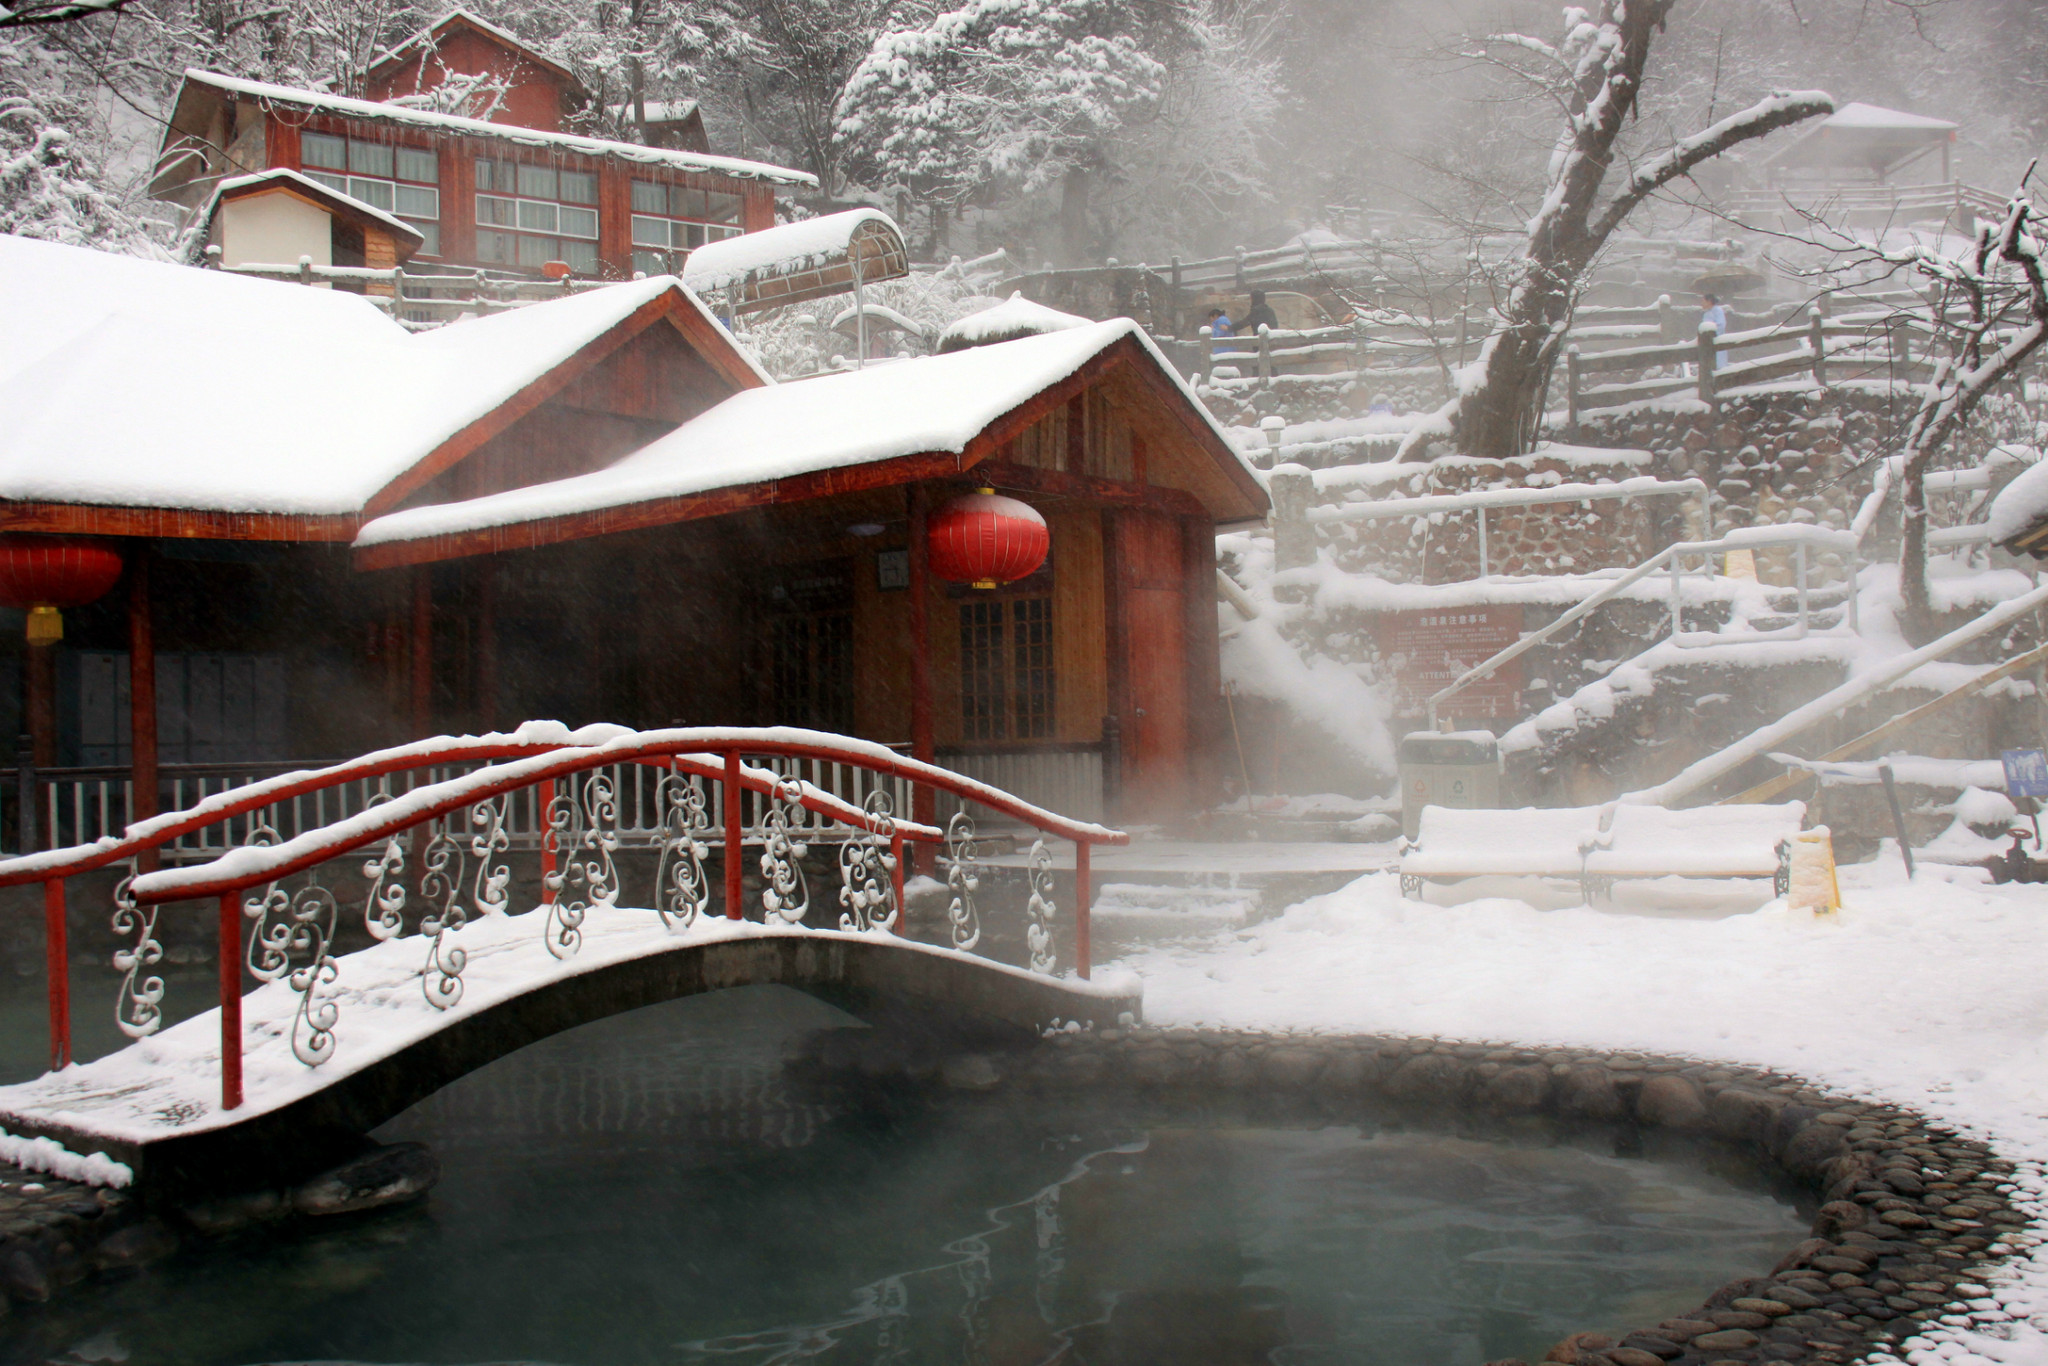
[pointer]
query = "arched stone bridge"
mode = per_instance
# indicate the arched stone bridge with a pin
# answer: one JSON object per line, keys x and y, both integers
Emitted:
{"x": 154, "y": 1107}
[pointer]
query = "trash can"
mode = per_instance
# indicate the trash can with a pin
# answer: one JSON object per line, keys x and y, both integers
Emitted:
{"x": 1461, "y": 768}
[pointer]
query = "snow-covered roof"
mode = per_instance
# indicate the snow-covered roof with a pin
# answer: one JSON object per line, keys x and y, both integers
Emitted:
{"x": 1857, "y": 114}
{"x": 141, "y": 384}
{"x": 430, "y": 121}
{"x": 426, "y": 37}
{"x": 847, "y": 320}
{"x": 1014, "y": 317}
{"x": 285, "y": 178}
{"x": 785, "y": 250}
{"x": 929, "y": 405}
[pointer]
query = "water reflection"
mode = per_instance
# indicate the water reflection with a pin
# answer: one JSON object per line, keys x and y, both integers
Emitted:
{"x": 653, "y": 1190}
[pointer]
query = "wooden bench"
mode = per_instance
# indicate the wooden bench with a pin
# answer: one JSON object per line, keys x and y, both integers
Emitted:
{"x": 1453, "y": 843}
{"x": 1701, "y": 842}
{"x": 1598, "y": 846}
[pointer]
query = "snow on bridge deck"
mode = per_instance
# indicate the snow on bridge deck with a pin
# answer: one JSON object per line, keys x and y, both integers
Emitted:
{"x": 167, "y": 1087}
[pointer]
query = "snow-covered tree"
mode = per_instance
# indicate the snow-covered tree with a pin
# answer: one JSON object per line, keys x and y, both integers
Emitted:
{"x": 55, "y": 181}
{"x": 1016, "y": 94}
{"x": 1595, "y": 76}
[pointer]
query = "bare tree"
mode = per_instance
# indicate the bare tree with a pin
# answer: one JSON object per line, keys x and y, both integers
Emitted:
{"x": 25, "y": 13}
{"x": 1991, "y": 313}
{"x": 1595, "y": 76}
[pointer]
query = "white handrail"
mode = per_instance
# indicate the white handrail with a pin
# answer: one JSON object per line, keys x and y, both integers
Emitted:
{"x": 1641, "y": 487}
{"x": 1774, "y": 735}
{"x": 1747, "y": 538}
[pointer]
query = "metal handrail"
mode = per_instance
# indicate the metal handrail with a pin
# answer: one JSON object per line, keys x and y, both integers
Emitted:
{"x": 1749, "y": 538}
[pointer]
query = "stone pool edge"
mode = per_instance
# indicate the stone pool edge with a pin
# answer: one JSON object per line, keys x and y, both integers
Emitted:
{"x": 1912, "y": 1212}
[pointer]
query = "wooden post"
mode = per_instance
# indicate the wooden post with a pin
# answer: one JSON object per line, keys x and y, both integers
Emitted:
{"x": 1116, "y": 672}
{"x": 1265, "y": 356}
{"x": 1204, "y": 662}
{"x": 734, "y": 796}
{"x": 1817, "y": 338}
{"x": 923, "y": 803}
{"x": 57, "y": 962}
{"x": 1293, "y": 491}
{"x": 422, "y": 651}
{"x": 1083, "y": 950}
{"x": 1706, "y": 363}
{"x": 1667, "y": 319}
{"x": 902, "y": 925}
{"x": 1208, "y": 345}
{"x": 230, "y": 952}
{"x": 42, "y": 703}
{"x": 1571, "y": 389}
{"x": 486, "y": 643}
{"x": 142, "y": 737}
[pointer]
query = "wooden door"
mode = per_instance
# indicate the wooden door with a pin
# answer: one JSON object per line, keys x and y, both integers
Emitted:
{"x": 1153, "y": 620}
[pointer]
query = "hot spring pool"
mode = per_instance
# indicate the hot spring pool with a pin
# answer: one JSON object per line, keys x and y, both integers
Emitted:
{"x": 649, "y": 1189}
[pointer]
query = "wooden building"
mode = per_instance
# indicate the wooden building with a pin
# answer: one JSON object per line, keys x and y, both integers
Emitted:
{"x": 599, "y": 509}
{"x": 469, "y": 136}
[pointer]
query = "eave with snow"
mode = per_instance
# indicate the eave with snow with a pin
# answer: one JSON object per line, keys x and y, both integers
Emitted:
{"x": 608, "y": 477}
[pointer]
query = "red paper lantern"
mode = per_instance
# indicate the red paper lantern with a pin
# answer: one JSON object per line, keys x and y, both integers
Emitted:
{"x": 986, "y": 540}
{"x": 45, "y": 573}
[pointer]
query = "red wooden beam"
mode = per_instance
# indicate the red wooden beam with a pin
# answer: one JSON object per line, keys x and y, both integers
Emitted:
{"x": 922, "y": 746}
{"x": 1088, "y": 488}
{"x": 658, "y": 512}
{"x": 142, "y": 737}
{"x": 57, "y": 962}
{"x": 87, "y": 519}
{"x": 230, "y": 951}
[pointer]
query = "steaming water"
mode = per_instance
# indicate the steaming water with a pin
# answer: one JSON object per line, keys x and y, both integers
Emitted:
{"x": 648, "y": 1190}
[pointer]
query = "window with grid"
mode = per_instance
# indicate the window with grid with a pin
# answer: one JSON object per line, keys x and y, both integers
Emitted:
{"x": 531, "y": 215}
{"x": 404, "y": 181}
{"x": 670, "y": 221}
{"x": 1006, "y": 669}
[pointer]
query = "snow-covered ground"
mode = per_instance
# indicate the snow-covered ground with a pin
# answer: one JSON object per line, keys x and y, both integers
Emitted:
{"x": 1929, "y": 994}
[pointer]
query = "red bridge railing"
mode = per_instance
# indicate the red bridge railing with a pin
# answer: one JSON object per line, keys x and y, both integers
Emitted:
{"x": 462, "y": 829}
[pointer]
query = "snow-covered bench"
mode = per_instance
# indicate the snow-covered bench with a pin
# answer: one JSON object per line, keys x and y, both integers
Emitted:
{"x": 1453, "y": 843}
{"x": 1701, "y": 842}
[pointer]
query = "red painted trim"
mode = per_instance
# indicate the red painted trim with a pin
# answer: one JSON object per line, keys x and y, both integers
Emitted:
{"x": 92, "y": 519}
{"x": 57, "y": 962}
{"x": 922, "y": 747}
{"x": 683, "y": 755}
{"x": 142, "y": 741}
{"x": 421, "y": 640}
{"x": 230, "y": 951}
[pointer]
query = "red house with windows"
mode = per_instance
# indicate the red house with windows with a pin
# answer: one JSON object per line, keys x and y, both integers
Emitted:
{"x": 468, "y": 137}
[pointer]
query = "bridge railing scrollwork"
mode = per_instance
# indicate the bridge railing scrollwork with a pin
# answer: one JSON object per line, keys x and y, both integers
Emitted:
{"x": 435, "y": 847}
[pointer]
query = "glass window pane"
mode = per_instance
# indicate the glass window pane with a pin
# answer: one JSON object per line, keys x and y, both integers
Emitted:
{"x": 579, "y": 187}
{"x": 432, "y": 232}
{"x": 692, "y": 234}
{"x": 650, "y": 232}
{"x": 318, "y": 149}
{"x": 537, "y": 251}
{"x": 415, "y": 202}
{"x": 538, "y": 181}
{"x": 332, "y": 182}
{"x": 369, "y": 158}
{"x": 579, "y": 222}
{"x": 722, "y": 208}
{"x": 649, "y": 197}
{"x": 486, "y": 175}
{"x": 581, "y": 256}
{"x": 680, "y": 200}
{"x": 649, "y": 263}
{"x": 494, "y": 246}
{"x": 414, "y": 164}
{"x": 375, "y": 193}
{"x": 536, "y": 217}
{"x": 499, "y": 212}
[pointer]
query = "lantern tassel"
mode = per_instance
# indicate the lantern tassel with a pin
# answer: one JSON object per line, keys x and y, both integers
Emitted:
{"x": 45, "y": 625}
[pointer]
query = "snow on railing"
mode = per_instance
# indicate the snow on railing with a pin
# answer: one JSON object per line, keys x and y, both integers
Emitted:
{"x": 1799, "y": 537}
{"x": 458, "y": 831}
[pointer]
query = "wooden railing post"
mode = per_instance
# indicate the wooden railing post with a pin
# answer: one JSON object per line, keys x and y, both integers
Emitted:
{"x": 902, "y": 925}
{"x": 733, "y": 824}
{"x": 1817, "y": 338}
{"x": 1265, "y": 356}
{"x": 1706, "y": 363}
{"x": 57, "y": 960}
{"x": 230, "y": 950}
{"x": 1083, "y": 950}
{"x": 1207, "y": 333}
{"x": 1667, "y": 319}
